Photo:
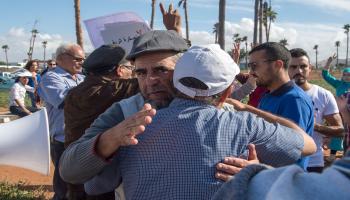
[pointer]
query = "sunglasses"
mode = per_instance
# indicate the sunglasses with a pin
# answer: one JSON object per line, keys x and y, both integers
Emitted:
{"x": 76, "y": 59}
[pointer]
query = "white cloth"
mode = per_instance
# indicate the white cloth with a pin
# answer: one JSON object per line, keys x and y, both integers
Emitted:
{"x": 324, "y": 104}
{"x": 18, "y": 91}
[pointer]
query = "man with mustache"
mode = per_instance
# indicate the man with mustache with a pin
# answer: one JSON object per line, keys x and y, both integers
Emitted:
{"x": 325, "y": 106}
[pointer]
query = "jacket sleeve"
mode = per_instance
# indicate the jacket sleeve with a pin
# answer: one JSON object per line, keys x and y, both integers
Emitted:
{"x": 330, "y": 79}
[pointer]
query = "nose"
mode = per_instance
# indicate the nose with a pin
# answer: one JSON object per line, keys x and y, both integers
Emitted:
{"x": 152, "y": 79}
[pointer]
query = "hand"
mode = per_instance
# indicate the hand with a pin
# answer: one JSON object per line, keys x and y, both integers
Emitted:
{"x": 236, "y": 104}
{"x": 236, "y": 52}
{"x": 233, "y": 165}
{"x": 252, "y": 81}
{"x": 125, "y": 133}
{"x": 171, "y": 19}
{"x": 329, "y": 61}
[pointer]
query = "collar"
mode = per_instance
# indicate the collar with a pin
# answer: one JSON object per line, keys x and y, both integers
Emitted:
{"x": 63, "y": 72}
{"x": 283, "y": 89}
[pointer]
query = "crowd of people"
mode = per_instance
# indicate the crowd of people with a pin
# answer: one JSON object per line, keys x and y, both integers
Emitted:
{"x": 166, "y": 121}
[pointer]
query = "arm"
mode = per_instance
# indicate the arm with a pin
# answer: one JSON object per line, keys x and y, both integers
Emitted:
{"x": 23, "y": 107}
{"x": 334, "y": 127}
{"x": 247, "y": 88}
{"x": 87, "y": 157}
{"x": 327, "y": 76}
{"x": 53, "y": 90}
{"x": 342, "y": 102}
{"x": 309, "y": 144}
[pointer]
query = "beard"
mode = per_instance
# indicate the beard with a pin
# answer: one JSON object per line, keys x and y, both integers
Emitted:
{"x": 299, "y": 79}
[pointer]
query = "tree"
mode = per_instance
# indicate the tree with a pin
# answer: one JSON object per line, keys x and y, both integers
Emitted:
{"x": 222, "y": 15}
{"x": 153, "y": 12}
{"x": 347, "y": 29}
{"x": 236, "y": 38}
{"x": 256, "y": 14}
{"x": 215, "y": 31}
{"x": 5, "y": 48}
{"x": 184, "y": 3}
{"x": 78, "y": 30}
{"x": 260, "y": 20}
{"x": 316, "y": 52}
{"x": 337, "y": 44}
{"x": 44, "y": 46}
{"x": 284, "y": 42}
{"x": 269, "y": 17}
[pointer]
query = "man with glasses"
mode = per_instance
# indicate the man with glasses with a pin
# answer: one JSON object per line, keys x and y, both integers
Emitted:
{"x": 51, "y": 64}
{"x": 269, "y": 65}
{"x": 54, "y": 87}
{"x": 108, "y": 80}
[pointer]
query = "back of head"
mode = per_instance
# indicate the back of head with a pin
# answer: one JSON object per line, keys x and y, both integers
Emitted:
{"x": 298, "y": 52}
{"x": 274, "y": 51}
{"x": 204, "y": 71}
{"x": 104, "y": 59}
{"x": 155, "y": 41}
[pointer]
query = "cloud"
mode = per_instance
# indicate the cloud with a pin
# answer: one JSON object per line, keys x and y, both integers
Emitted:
{"x": 343, "y": 5}
{"x": 18, "y": 38}
{"x": 297, "y": 34}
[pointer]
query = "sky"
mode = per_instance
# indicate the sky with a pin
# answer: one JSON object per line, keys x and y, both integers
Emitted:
{"x": 304, "y": 23}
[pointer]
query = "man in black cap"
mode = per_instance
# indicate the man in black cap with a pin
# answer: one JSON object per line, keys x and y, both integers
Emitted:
{"x": 109, "y": 79}
{"x": 154, "y": 54}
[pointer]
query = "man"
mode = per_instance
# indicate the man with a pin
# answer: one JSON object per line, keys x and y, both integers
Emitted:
{"x": 108, "y": 80}
{"x": 325, "y": 106}
{"x": 173, "y": 145}
{"x": 269, "y": 63}
{"x": 54, "y": 86}
{"x": 51, "y": 64}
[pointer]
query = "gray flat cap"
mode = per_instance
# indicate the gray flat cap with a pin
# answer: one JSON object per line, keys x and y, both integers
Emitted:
{"x": 104, "y": 59}
{"x": 157, "y": 40}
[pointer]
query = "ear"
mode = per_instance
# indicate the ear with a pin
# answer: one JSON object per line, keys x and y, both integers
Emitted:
{"x": 280, "y": 64}
{"x": 119, "y": 71}
{"x": 225, "y": 95}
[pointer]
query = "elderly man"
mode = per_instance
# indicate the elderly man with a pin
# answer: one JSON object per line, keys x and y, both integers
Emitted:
{"x": 54, "y": 86}
{"x": 165, "y": 144}
{"x": 108, "y": 80}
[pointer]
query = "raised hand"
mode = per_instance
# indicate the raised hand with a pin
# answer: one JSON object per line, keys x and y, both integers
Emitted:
{"x": 171, "y": 18}
{"x": 329, "y": 61}
{"x": 236, "y": 52}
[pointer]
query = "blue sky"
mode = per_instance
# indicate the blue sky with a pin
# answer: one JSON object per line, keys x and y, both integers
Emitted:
{"x": 303, "y": 23}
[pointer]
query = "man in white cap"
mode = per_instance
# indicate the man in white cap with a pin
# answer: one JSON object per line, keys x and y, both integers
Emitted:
{"x": 175, "y": 156}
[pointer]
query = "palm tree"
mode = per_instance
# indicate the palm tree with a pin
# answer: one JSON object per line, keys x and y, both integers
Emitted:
{"x": 5, "y": 48}
{"x": 153, "y": 12}
{"x": 222, "y": 15}
{"x": 32, "y": 43}
{"x": 347, "y": 29}
{"x": 236, "y": 38}
{"x": 245, "y": 40}
{"x": 284, "y": 42}
{"x": 215, "y": 31}
{"x": 337, "y": 44}
{"x": 256, "y": 14}
{"x": 78, "y": 30}
{"x": 269, "y": 17}
{"x": 316, "y": 52}
{"x": 260, "y": 20}
{"x": 184, "y": 3}
{"x": 44, "y": 46}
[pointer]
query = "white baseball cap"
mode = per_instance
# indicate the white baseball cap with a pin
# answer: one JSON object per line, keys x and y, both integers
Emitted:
{"x": 24, "y": 73}
{"x": 209, "y": 64}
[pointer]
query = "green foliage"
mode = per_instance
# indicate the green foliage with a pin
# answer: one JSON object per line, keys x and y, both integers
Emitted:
{"x": 19, "y": 192}
{"x": 4, "y": 99}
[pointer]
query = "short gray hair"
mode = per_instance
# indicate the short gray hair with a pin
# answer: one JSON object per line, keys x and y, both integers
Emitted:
{"x": 64, "y": 48}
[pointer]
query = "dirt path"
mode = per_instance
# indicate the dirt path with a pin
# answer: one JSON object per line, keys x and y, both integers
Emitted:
{"x": 32, "y": 179}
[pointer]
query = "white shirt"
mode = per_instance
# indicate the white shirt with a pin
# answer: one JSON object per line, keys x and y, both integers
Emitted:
{"x": 324, "y": 104}
{"x": 18, "y": 91}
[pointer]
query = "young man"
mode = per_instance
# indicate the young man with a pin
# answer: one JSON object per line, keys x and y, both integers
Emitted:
{"x": 325, "y": 106}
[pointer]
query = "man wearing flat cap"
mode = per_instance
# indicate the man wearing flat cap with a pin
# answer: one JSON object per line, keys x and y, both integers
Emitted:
{"x": 108, "y": 80}
{"x": 176, "y": 155}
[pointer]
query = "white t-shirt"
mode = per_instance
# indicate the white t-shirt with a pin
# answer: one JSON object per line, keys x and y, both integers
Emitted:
{"x": 324, "y": 104}
{"x": 18, "y": 91}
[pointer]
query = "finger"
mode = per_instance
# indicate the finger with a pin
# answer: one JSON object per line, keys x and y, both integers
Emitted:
{"x": 237, "y": 162}
{"x": 162, "y": 10}
{"x": 222, "y": 176}
{"x": 252, "y": 152}
{"x": 228, "y": 169}
{"x": 170, "y": 10}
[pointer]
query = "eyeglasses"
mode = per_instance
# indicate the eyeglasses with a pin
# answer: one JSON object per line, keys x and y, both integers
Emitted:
{"x": 76, "y": 59}
{"x": 254, "y": 65}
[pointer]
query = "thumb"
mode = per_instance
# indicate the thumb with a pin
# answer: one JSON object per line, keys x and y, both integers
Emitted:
{"x": 252, "y": 152}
